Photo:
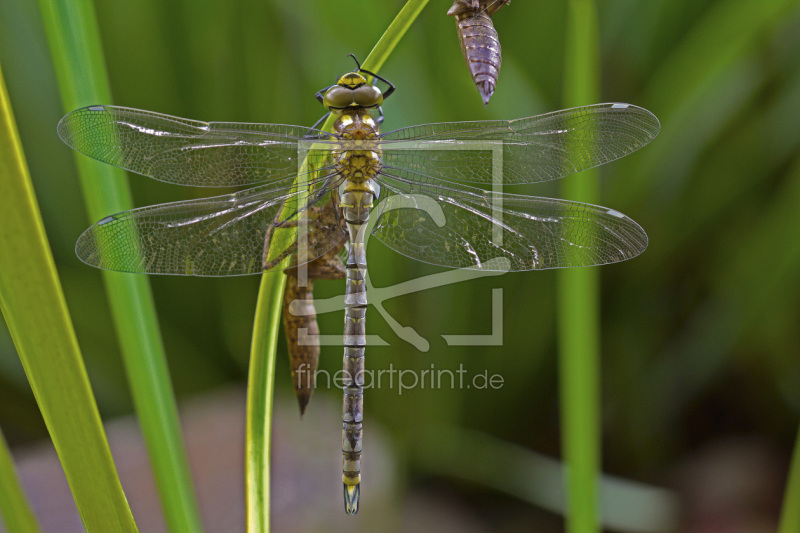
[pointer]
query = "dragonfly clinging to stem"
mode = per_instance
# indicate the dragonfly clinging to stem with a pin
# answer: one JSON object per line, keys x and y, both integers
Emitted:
{"x": 421, "y": 190}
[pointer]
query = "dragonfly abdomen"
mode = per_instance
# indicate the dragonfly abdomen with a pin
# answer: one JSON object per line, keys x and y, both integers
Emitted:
{"x": 356, "y": 204}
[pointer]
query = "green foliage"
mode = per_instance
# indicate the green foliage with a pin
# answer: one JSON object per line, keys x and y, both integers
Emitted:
{"x": 703, "y": 323}
{"x": 78, "y": 60}
{"x": 578, "y": 298}
{"x": 35, "y": 311}
{"x": 260, "y": 387}
{"x": 15, "y": 511}
{"x": 790, "y": 514}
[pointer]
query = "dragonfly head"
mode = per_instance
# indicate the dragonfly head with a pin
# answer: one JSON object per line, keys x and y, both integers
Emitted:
{"x": 352, "y": 90}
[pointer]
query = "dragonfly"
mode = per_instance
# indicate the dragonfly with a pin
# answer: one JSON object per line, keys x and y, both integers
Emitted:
{"x": 431, "y": 192}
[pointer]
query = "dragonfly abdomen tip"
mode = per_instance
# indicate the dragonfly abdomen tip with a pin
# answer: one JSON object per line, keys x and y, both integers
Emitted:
{"x": 351, "y": 497}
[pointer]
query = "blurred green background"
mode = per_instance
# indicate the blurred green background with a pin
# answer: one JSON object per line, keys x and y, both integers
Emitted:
{"x": 700, "y": 337}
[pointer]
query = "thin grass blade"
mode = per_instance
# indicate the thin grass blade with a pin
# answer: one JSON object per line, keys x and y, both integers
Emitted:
{"x": 790, "y": 512}
{"x": 34, "y": 308}
{"x": 391, "y": 37}
{"x": 77, "y": 54}
{"x": 578, "y": 294}
{"x": 15, "y": 509}
{"x": 260, "y": 386}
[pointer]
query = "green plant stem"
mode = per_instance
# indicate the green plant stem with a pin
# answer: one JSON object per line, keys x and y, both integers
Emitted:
{"x": 15, "y": 509}
{"x": 36, "y": 313}
{"x": 790, "y": 512}
{"x": 391, "y": 37}
{"x": 76, "y": 49}
{"x": 578, "y": 299}
{"x": 267, "y": 321}
{"x": 260, "y": 385}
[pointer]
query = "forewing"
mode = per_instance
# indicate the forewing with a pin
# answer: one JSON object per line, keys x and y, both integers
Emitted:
{"x": 227, "y": 235}
{"x": 527, "y": 150}
{"x": 469, "y": 228}
{"x": 189, "y": 152}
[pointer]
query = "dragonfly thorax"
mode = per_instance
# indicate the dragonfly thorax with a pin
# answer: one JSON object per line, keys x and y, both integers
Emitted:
{"x": 359, "y": 158}
{"x": 356, "y": 124}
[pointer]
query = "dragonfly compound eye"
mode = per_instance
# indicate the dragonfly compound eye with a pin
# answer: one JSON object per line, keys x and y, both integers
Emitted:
{"x": 338, "y": 97}
{"x": 368, "y": 96}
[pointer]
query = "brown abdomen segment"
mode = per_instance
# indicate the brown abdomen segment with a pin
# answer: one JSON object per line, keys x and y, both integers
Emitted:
{"x": 300, "y": 321}
{"x": 300, "y": 325}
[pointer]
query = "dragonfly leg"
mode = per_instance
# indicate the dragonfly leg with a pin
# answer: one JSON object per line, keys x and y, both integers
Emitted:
{"x": 269, "y": 264}
{"x": 495, "y": 6}
{"x": 277, "y": 224}
{"x": 321, "y": 120}
{"x": 326, "y": 219}
{"x": 272, "y": 263}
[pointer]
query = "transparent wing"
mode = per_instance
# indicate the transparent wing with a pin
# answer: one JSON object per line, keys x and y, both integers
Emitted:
{"x": 527, "y": 150}
{"x": 188, "y": 152}
{"x": 464, "y": 227}
{"x": 229, "y": 235}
